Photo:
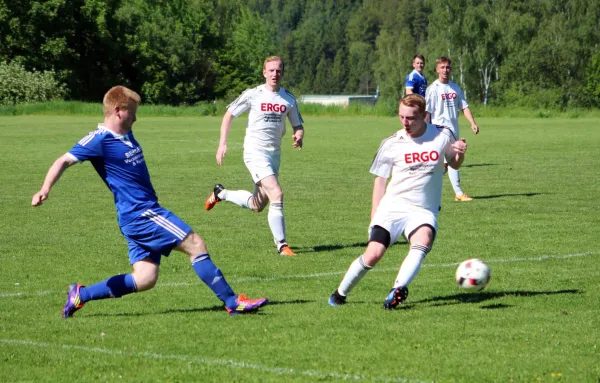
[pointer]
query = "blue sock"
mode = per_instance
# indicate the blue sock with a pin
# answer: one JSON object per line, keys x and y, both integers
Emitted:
{"x": 212, "y": 276}
{"x": 113, "y": 287}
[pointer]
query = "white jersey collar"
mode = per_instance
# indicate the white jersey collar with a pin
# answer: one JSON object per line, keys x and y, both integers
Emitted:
{"x": 124, "y": 138}
{"x": 116, "y": 135}
{"x": 264, "y": 87}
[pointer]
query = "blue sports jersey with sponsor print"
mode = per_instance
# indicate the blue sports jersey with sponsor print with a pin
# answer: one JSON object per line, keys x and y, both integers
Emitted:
{"x": 120, "y": 163}
{"x": 417, "y": 82}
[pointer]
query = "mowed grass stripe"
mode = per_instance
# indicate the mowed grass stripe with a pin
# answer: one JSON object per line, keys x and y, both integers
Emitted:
{"x": 216, "y": 362}
{"x": 327, "y": 274}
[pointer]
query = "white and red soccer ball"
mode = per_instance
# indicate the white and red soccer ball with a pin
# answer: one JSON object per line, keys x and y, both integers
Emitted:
{"x": 473, "y": 275}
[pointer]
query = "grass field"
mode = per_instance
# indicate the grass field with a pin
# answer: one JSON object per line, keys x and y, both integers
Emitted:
{"x": 534, "y": 219}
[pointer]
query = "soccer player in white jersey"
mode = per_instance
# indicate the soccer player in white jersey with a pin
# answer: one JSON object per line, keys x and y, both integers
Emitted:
{"x": 268, "y": 106}
{"x": 445, "y": 100}
{"x": 414, "y": 157}
{"x": 151, "y": 231}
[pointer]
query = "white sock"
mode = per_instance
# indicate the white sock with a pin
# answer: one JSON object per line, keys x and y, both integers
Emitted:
{"x": 454, "y": 176}
{"x": 411, "y": 265}
{"x": 356, "y": 271}
{"x": 277, "y": 221}
{"x": 238, "y": 197}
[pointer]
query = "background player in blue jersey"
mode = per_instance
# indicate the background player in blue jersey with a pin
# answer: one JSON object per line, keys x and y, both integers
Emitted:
{"x": 151, "y": 230}
{"x": 415, "y": 81}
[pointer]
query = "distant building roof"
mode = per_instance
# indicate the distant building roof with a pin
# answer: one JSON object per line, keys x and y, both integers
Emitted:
{"x": 344, "y": 100}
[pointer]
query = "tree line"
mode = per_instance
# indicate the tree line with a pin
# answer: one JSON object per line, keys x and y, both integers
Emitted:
{"x": 542, "y": 53}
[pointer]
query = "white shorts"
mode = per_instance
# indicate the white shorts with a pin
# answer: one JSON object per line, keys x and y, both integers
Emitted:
{"x": 455, "y": 133}
{"x": 404, "y": 223}
{"x": 262, "y": 164}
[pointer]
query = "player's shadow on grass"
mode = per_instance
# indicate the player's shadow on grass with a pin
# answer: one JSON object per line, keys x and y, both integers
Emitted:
{"x": 484, "y": 296}
{"x": 219, "y": 309}
{"x": 476, "y": 165}
{"x": 506, "y": 195}
{"x": 495, "y": 306}
{"x": 169, "y": 311}
{"x": 320, "y": 248}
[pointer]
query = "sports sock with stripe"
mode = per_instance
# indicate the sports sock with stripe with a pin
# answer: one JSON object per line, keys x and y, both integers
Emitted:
{"x": 277, "y": 221}
{"x": 356, "y": 271}
{"x": 411, "y": 265}
{"x": 213, "y": 277}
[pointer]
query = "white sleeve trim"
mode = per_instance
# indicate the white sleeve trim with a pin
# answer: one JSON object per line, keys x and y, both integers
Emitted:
{"x": 73, "y": 157}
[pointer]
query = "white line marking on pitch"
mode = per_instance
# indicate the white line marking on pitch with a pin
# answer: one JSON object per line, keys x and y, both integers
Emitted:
{"x": 318, "y": 275}
{"x": 206, "y": 361}
{"x": 328, "y": 274}
{"x": 12, "y": 295}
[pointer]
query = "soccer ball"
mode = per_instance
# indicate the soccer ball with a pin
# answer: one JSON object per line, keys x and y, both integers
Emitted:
{"x": 472, "y": 275}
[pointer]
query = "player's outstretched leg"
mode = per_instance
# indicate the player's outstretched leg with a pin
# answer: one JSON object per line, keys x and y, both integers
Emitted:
{"x": 114, "y": 287}
{"x": 74, "y": 301}
{"x": 213, "y": 198}
{"x": 212, "y": 276}
{"x": 357, "y": 270}
{"x": 396, "y": 296}
{"x": 242, "y": 198}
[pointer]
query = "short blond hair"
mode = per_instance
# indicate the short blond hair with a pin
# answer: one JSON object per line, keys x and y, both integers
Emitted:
{"x": 444, "y": 60}
{"x": 273, "y": 58}
{"x": 119, "y": 96}
{"x": 414, "y": 100}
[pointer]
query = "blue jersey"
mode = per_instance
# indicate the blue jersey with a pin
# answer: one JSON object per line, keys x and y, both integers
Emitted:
{"x": 119, "y": 161}
{"x": 417, "y": 82}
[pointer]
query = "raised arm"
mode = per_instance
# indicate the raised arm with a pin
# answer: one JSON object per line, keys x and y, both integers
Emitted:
{"x": 54, "y": 173}
{"x": 378, "y": 193}
{"x": 225, "y": 127}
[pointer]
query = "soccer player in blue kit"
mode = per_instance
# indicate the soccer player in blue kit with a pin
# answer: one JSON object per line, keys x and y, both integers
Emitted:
{"x": 151, "y": 230}
{"x": 415, "y": 80}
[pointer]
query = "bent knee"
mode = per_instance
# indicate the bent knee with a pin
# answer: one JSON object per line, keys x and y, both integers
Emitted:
{"x": 374, "y": 253}
{"x": 145, "y": 279}
{"x": 193, "y": 245}
{"x": 196, "y": 240}
{"x": 258, "y": 206}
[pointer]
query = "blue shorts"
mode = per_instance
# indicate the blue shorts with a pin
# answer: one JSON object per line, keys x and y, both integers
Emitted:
{"x": 154, "y": 233}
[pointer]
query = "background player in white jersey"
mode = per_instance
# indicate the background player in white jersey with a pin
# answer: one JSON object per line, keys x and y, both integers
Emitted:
{"x": 445, "y": 100}
{"x": 268, "y": 106}
{"x": 414, "y": 157}
{"x": 151, "y": 230}
{"x": 415, "y": 80}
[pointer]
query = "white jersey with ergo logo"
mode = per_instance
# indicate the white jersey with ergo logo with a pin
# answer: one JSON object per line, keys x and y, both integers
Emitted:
{"x": 444, "y": 103}
{"x": 267, "y": 112}
{"x": 416, "y": 166}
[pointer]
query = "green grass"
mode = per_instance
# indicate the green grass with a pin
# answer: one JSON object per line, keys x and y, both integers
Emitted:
{"x": 383, "y": 108}
{"x": 76, "y": 108}
{"x": 534, "y": 219}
